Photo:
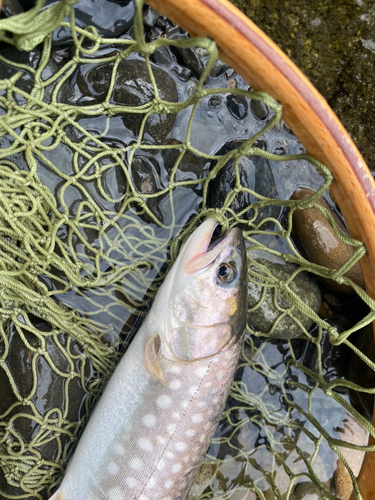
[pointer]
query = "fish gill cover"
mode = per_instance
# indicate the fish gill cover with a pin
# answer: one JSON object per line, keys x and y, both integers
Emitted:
{"x": 111, "y": 155}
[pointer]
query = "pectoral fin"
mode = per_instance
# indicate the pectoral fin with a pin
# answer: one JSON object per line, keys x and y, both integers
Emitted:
{"x": 151, "y": 358}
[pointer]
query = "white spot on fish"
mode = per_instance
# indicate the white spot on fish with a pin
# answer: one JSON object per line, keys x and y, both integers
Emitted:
{"x": 136, "y": 463}
{"x": 168, "y": 484}
{"x": 175, "y": 384}
{"x": 185, "y": 404}
{"x": 171, "y": 428}
{"x": 215, "y": 400}
{"x": 114, "y": 494}
{"x": 176, "y": 467}
{"x": 207, "y": 385}
{"x": 167, "y": 498}
{"x": 131, "y": 482}
{"x": 190, "y": 432}
{"x": 118, "y": 448}
{"x": 161, "y": 439}
{"x": 180, "y": 446}
{"x": 219, "y": 375}
{"x": 201, "y": 371}
{"x": 192, "y": 390}
{"x": 174, "y": 369}
{"x": 202, "y": 404}
{"x": 169, "y": 455}
{"x": 149, "y": 420}
{"x": 151, "y": 483}
{"x": 197, "y": 418}
{"x": 160, "y": 465}
{"x": 112, "y": 468}
{"x": 176, "y": 415}
{"x": 143, "y": 497}
{"x": 145, "y": 444}
{"x": 164, "y": 401}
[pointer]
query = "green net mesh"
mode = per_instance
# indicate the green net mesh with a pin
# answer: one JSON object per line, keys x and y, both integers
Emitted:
{"x": 86, "y": 243}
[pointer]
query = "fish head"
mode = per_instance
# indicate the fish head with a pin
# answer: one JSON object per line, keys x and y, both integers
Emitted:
{"x": 207, "y": 295}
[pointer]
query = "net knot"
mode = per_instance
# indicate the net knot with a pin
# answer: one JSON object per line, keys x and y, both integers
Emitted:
{"x": 333, "y": 334}
{"x": 160, "y": 107}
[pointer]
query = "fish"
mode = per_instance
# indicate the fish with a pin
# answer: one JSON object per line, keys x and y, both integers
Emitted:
{"x": 153, "y": 424}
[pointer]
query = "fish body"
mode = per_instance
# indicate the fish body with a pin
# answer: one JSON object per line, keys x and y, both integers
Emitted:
{"x": 153, "y": 424}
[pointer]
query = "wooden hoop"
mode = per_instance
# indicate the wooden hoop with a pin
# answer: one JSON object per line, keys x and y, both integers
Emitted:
{"x": 265, "y": 67}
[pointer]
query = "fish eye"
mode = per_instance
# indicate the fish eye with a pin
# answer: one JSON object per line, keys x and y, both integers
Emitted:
{"x": 226, "y": 272}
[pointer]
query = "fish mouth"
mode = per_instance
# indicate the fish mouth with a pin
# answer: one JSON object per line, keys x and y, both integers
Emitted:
{"x": 206, "y": 244}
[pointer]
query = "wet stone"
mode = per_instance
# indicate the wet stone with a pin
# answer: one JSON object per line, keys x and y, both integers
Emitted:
{"x": 7, "y": 69}
{"x": 334, "y": 359}
{"x": 150, "y": 17}
{"x": 265, "y": 313}
{"x": 182, "y": 73}
{"x": 191, "y": 59}
{"x": 316, "y": 239}
{"x": 237, "y": 106}
{"x": 215, "y": 101}
{"x": 256, "y": 174}
{"x": 306, "y": 491}
{"x": 162, "y": 56}
{"x": 219, "y": 68}
{"x": 11, "y": 8}
{"x": 110, "y": 19}
{"x": 259, "y": 109}
{"x": 132, "y": 87}
{"x": 154, "y": 34}
{"x": 21, "y": 360}
{"x": 202, "y": 480}
{"x": 362, "y": 374}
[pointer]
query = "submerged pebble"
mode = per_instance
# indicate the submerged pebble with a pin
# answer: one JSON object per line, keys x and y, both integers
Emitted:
{"x": 132, "y": 87}
{"x": 362, "y": 374}
{"x": 317, "y": 240}
{"x": 333, "y": 360}
{"x": 263, "y": 317}
{"x": 255, "y": 173}
{"x": 110, "y": 19}
{"x": 237, "y": 106}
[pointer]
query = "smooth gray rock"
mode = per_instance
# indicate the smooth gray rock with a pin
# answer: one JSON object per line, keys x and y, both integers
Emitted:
{"x": 263, "y": 317}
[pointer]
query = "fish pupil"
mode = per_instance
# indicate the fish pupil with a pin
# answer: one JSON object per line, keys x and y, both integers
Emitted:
{"x": 225, "y": 272}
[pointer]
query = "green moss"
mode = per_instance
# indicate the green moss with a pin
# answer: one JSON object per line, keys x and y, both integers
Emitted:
{"x": 333, "y": 43}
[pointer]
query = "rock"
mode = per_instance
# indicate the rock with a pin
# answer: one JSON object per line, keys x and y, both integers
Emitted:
{"x": 263, "y": 317}
{"x": 259, "y": 109}
{"x": 352, "y": 432}
{"x": 7, "y": 69}
{"x": 42, "y": 389}
{"x": 343, "y": 482}
{"x": 192, "y": 60}
{"x": 11, "y": 8}
{"x": 219, "y": 68}
{"x": 202, "y": 480}
{"x": 255, "y": 173}
{"x": 237, "y": 106}
{"x": 317, "y": 240}
{"x": 334, "y": 359}
{"x": 110, "y": 19}
{"x": 132, "y": 87}
{"x": 150, "y": 17}
{"x": 362, "y": 374}
{"x": 306, "y": 491}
